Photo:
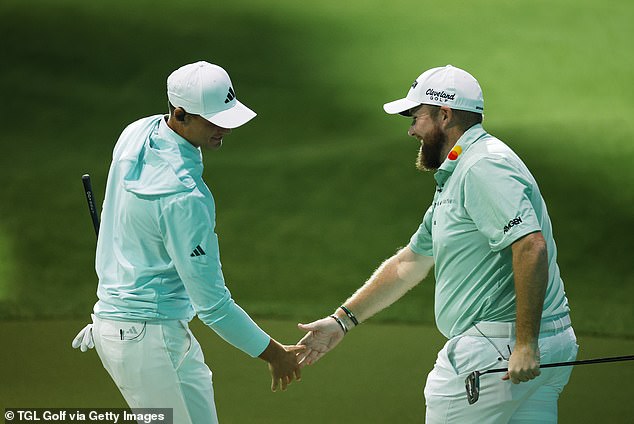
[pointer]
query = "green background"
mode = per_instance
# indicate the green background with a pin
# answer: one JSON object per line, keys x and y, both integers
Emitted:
{"x": 316, "y": 191}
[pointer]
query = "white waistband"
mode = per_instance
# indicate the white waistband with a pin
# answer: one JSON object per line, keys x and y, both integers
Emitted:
{"x": 507, "y": 329}
{"x": 168, "y": 322}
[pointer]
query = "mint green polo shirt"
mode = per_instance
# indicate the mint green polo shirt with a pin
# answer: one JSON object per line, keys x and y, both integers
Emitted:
{"x": 486, "y": 199}
{"x": 158, "y": 256}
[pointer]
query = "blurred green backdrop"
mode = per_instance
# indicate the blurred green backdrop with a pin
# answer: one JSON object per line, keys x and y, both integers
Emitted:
{"x": 321, "y": 186}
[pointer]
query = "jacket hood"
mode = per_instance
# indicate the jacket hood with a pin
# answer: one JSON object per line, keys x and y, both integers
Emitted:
{"x": 154, "y": 160}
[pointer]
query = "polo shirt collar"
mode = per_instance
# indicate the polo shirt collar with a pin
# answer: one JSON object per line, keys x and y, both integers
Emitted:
{"x": 465, "y": 141}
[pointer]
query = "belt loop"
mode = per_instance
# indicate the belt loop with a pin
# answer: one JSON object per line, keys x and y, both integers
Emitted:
{"x": 560, "y": 324}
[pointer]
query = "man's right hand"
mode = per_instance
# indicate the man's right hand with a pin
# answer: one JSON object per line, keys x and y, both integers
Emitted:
{"x": 323, "y": 335}
{"x": 283, "y": 364}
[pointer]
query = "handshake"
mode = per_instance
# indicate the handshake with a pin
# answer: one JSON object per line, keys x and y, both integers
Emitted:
{"x": 285, "y": 361}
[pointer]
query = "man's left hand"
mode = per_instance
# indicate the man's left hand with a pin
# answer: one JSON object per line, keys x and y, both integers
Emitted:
{"x": 523, "y": 364}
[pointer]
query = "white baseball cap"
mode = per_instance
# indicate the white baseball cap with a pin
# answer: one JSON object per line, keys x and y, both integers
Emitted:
{"x": 205, "y": 89}
{"x": 444, "y": 86}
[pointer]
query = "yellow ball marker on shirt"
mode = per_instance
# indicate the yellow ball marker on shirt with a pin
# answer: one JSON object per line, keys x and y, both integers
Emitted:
{"x": 455, "y": 152}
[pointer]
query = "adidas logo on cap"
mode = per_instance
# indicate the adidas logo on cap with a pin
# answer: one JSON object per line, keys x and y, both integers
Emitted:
{"x": 230, "y": 96}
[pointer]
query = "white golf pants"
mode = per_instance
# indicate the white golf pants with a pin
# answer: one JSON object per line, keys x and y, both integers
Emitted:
{"x": 500, "y": 401}
{"x": 159, "y": 365}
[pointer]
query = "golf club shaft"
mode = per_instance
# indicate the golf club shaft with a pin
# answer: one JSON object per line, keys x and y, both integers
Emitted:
{"x": 570, "y": 363}
{"x": 90, "y": 198}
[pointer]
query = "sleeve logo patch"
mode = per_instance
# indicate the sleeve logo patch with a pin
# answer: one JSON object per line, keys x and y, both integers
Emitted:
{"x": 512, "y": 223}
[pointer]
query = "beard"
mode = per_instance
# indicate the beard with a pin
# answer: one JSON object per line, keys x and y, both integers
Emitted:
{"x": 430, "y": 151}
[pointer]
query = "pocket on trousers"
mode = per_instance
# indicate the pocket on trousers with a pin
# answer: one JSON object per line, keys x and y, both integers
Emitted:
{"x": 468, "y": 354}
{"x": 178, "y": 342}
{"x": 123, "y": 332}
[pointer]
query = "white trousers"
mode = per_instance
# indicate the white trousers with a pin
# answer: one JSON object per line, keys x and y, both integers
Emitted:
{"x": 157, "y": 366}
{"x": 500, "y": 401}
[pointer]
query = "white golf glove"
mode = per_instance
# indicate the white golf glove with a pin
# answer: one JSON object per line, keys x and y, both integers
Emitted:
{"x": 83, "y": 340}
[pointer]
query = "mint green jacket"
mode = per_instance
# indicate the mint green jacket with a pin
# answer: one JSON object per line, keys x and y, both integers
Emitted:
{"x": 157, "y": 253}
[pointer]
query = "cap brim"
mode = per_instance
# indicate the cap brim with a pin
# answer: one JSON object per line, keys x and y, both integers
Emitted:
{"x": 233, "y": 117}
{"x": 399, "y": 106}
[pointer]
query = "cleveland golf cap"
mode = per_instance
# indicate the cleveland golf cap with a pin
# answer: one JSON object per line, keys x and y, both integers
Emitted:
{"x": 444, "y": 86}
{"x": 205, "y": 89}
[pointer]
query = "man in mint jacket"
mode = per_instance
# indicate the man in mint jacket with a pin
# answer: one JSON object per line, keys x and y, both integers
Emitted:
{"x": 158, "y": 259}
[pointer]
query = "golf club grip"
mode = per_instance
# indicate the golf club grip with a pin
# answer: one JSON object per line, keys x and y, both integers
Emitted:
{"x": 570, "y": 363}
{"x": 90, "y": 198}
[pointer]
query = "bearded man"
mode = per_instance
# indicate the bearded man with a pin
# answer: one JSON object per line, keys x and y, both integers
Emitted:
{"x": 499, "y": 297}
